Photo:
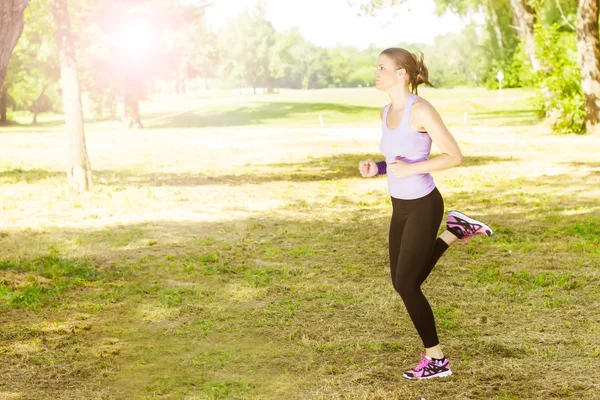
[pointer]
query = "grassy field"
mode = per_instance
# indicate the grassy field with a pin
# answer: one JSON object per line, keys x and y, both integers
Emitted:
{"x": 231, "y": 251}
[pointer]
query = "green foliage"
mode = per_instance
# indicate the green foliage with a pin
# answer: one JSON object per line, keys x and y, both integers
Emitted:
{"x": 550, "y": 13}
{"x": 460, "y": 7}
{"x": 312, "y": 60}
{"x": 370, "y": 7}
{"x": 179, "y": 47}
{"x": 451, "y": 60}
{"x": 492, "y": 47}
{"x": 284, "y": 66}
{"x": 246, "y": 42}
{"x": 33, "y": 73}
{"x": 558, "y": 52}
{"x": 248, "y": 51}
{"x": 362, "y": 66}
{"x": 339, "y": 67}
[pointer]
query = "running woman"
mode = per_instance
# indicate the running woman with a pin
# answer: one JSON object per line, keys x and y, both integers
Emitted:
{"x": 409, "y": 126}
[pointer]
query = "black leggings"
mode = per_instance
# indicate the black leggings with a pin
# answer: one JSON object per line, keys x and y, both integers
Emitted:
{"x": 414, "y": 250}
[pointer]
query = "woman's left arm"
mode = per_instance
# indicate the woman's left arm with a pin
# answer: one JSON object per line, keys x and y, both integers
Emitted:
{"x": 429, "y": 119}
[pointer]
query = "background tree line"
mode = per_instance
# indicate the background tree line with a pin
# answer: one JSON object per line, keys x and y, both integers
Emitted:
{"x": 116, "y": 53}
{"x": 248, "y": 52}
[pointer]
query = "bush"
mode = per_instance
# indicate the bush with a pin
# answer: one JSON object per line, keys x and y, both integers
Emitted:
{"x": 561, "y": 76}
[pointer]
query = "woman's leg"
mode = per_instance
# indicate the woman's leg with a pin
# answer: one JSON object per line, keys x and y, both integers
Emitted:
{"x": 414, "y": 262}
{"x": 395, "y": 234}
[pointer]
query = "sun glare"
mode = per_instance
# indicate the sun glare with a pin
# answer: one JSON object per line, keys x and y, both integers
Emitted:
{"x": 136, "y": 38}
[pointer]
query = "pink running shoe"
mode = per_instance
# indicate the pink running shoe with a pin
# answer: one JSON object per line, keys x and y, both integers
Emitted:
{"x": 429, "y": 368}
{"x": 464, "y": 227}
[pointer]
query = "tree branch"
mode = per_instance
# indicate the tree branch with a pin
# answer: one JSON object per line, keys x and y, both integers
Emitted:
{"x": 563, "y": 15}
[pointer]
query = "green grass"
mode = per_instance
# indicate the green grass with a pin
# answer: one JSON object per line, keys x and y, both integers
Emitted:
{"x": 230, "y": 251}
{"x": 292, "y": 108}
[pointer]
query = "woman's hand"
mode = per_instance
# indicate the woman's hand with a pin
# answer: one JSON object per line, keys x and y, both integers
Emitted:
{"x": 368, "y": 168}
{"x": 400, "y": 169}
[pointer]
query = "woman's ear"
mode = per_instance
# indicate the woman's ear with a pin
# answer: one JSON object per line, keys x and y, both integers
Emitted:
{"x": 401, "y": 72}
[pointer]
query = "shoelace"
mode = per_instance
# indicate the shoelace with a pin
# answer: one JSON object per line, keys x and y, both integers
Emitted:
{"x": 467, "y": 226}
{"x": 470, "y": 229}
{"x": 423, "y": 363}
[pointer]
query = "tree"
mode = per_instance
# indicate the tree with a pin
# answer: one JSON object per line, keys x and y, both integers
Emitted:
{"x": 370, "y": 7}
{"x": 34, "y": 69}
{"x": 11, "y": 15}
{"x": 313, "y": 61}
{"x": 499, "y": 48}
{"x": 142, "y": 41}
{"x": 193, "y": 45}
{"x": 588, "y": 48}
{"x": 79, "y": 171}
{"x": 126, "y": 58}
{"x": 245, "y": 43}
{"x": 561, "y": 76}
{"x": 525, "y": 19}
{"x": 284, "y": 67}
{"x": 363, "y": 64}
{"x": 339, "y": 68}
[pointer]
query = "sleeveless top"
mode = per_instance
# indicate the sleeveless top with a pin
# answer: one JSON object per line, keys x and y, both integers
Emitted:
{"x": 410, "y": 146}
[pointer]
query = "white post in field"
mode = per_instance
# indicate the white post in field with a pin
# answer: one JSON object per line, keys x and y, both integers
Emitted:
{"x": 500, "y": 77}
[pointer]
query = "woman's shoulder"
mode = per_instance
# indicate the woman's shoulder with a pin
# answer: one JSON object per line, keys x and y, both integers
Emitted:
{"x": 383, "y": 110}
{"x": 422, "y": 105}
{"x": 423, "y": 110}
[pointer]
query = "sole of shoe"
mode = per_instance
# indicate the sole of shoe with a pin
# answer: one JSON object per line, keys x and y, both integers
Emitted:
{"x": 458, "y": 214}
{"x": 440, "y": 375}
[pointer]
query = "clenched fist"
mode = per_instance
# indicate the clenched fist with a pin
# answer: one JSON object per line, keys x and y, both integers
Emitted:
{"x": 368, "y": 168}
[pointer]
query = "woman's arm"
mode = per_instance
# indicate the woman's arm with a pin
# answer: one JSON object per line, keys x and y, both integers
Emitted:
{"x": 426, "y": 117}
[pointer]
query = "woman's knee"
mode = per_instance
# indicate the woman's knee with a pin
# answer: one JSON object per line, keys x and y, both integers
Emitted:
{"x": 407, "y": 288}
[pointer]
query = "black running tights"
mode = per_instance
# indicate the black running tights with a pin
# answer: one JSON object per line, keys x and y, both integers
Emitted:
{"x": 414, "y": 250}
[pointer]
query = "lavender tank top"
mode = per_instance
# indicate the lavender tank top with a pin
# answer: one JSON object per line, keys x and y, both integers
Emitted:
{"x": 409, "y": 146}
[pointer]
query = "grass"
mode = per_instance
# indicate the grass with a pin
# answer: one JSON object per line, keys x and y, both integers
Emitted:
{"x": 246, "y": 259}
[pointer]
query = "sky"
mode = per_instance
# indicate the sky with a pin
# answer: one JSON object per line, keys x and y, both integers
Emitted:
{"x": 328, "y": 23}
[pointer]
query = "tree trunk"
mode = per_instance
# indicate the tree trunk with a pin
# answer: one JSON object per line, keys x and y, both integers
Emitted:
{"x": 180, "y": 85}
{"x": 524, "y": 17}
{"x": 112, "y": 103}
{"x": 3, "y": 106}
{"x": 132, "y": 112}
{"x": 38, "y": 105}
{"x": 588, "y": 47}
{"x": 79, "y": 171}
{"x": 131, "y": 97}
{"x": 493, "y": 15}
{"x": 11, "y": 27}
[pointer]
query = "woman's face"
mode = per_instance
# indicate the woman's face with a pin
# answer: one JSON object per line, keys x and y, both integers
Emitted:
{"x": 387, "y": 75}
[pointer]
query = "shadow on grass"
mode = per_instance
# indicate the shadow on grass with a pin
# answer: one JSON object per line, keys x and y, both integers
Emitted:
{"x": 340, "y": 166}
{"x": 18, "y": 175}
{"x": 26, "y": 127}
{"x": 316, "y": 279}
{"x": 593, "y": 166}
{"x": 508, "y": 117}
{"x": 256, "y": 114}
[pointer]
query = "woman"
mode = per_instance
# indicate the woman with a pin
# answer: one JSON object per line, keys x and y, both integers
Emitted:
{"x": 409, "y": 125}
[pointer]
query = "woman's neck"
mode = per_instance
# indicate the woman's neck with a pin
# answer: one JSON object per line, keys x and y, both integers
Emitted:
{"x": 399, "y": 99}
